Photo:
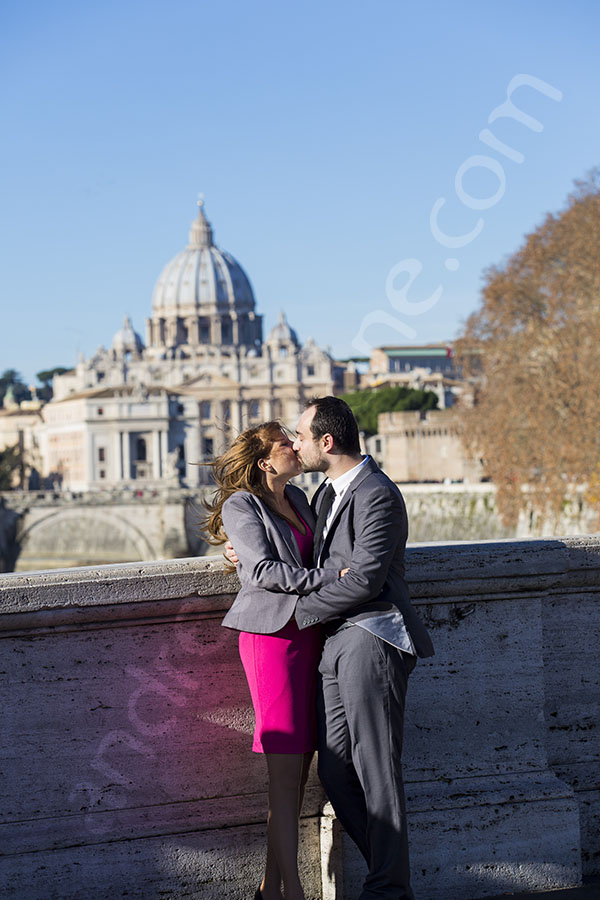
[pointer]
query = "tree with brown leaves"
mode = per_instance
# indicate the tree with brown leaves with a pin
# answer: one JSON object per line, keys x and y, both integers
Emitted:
{"x": 533, "y": 352}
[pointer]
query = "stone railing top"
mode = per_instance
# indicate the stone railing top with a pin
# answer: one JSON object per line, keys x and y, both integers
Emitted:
{"x": 492, "y": 566}
{"x": 118, "y": 496}
{"x": 436, "y": 573}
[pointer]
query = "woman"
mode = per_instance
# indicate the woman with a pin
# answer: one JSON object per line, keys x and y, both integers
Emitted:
{"x": 271, "y": 526}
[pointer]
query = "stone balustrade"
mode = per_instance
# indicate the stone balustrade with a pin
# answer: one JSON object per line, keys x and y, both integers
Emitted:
{"x": 126, "y": 763}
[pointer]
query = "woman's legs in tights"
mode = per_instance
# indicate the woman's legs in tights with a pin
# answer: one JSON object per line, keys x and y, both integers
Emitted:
{"x": 287, "y": 779}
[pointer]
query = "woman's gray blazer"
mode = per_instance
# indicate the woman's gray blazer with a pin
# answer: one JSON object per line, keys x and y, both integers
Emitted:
{"x": 270, "y": 567}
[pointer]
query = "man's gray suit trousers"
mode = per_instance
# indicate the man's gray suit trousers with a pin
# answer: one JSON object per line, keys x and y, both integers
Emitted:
{"x": 361, "y": 699}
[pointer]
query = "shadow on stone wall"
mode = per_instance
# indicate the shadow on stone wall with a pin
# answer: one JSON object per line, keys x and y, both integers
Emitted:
{"x": 9, "y": 546}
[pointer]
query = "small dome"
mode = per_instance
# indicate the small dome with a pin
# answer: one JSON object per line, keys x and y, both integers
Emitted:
{"x": 126, "y": 340}
{"x": 282, "y": 333}
{"x": 202, "y": 278}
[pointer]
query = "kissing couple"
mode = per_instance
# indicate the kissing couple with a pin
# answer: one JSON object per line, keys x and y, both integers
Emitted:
{"x": 328, "y": 635}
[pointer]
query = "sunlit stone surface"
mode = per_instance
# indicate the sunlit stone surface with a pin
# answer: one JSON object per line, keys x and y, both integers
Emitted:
{"x": 126, "y": 760}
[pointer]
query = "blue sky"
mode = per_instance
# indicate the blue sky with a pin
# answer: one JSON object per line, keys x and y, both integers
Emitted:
{"x": 321, "y": 134}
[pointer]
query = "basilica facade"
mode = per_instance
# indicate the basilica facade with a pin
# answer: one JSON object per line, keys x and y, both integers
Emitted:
{"x": 143, "y": 414}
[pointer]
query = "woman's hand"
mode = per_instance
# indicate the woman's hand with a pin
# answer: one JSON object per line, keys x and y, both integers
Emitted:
{"x": 230, "y": 554}
{"x": 343, "y": 572}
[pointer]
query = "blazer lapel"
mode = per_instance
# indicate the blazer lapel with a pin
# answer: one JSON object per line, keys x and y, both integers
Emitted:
{"x": 299, "y": 501}
{"x": 286, "y": 532}
{"x": 335, "y": 519}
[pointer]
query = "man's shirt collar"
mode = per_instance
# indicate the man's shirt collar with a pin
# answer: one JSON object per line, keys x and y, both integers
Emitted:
{"x": 342, "y": 481}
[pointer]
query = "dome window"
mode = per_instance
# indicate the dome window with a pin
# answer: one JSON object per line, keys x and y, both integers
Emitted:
{"x": 226, "y": 332}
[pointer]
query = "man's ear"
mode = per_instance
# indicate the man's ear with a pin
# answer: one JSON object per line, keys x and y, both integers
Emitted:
{"x": 327, "y": 443}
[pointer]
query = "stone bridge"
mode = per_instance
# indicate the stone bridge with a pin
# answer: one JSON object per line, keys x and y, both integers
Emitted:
{"x": 125, "y": 747}
{"x": 61, "y": 530}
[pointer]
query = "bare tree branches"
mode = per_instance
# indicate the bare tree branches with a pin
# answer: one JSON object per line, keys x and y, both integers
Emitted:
{"x": 533, "y": 352}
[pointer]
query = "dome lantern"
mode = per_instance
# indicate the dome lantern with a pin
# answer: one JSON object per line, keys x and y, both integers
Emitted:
{"x": 201, "y": 234}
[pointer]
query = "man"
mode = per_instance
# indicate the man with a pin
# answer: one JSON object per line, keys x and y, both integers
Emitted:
{"x": 372, "y": 638}
{"x": 373, "y": 635}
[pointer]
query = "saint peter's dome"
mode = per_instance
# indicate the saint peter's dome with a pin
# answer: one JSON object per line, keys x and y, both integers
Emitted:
{"x": 202, "y": 279}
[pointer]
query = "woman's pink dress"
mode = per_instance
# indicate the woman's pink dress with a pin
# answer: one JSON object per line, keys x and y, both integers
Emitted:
{"x": 281, "y": 669}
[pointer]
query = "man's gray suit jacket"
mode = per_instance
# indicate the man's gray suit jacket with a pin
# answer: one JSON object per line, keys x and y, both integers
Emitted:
{"x": 368, "y": 534}
{"x": 270, "y": 567}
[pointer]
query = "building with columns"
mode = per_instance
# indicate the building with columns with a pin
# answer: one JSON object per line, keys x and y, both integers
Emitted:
{"x": 144, "y": 414}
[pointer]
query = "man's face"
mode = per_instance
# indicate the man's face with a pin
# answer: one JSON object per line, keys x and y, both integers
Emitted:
{"x": 308, "y": 448}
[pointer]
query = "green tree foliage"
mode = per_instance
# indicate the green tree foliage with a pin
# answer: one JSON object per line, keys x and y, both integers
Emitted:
{"x": 11, "y": 378}
{"x": 10, "y": 460}
{"x": 366, "y": 405}
{"x": 46, "y": 375}
{"x": 532, "y": 352}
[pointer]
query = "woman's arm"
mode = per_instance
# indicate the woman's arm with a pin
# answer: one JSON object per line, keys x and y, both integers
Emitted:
{"x": 245, "y": 529}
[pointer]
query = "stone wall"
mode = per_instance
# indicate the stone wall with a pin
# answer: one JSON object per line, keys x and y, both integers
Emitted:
{"x": 423, "y": 446}
{"x": 59, "y": 530}
{"x": 468, "y": 512}
{"x": 126, "y": 760}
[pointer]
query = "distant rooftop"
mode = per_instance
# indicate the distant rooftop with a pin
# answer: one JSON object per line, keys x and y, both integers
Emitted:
{"x": 419, "y": 350}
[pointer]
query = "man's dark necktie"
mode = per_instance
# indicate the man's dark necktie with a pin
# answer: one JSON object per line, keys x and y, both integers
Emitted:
{"x": 326, "y": 504}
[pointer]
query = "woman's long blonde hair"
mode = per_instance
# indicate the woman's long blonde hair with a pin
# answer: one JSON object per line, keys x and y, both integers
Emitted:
{"x": 237, "y": 470}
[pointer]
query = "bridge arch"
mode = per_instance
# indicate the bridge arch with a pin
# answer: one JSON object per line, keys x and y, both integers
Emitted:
{"x": 86, "y": 535}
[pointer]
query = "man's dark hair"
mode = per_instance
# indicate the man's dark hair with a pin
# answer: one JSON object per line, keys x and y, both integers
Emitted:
{"x": 333, "y": 416}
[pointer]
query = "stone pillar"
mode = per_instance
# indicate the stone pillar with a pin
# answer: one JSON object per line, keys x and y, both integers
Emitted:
{"x": 126, "y": 455}
{"x": 91, "y": 474}
{"x": 215, "y": 330}
{"x": 171, "y": 329}
{"x": 235, "y": 329}
{"x": 192, "y": 456}
{"x": 191, "y": 324}
{"x": 164, "y": 449}
{"x": 236, "y": 415}
{"x": 115, "y": 463}
{"x": 157, "y": 463}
